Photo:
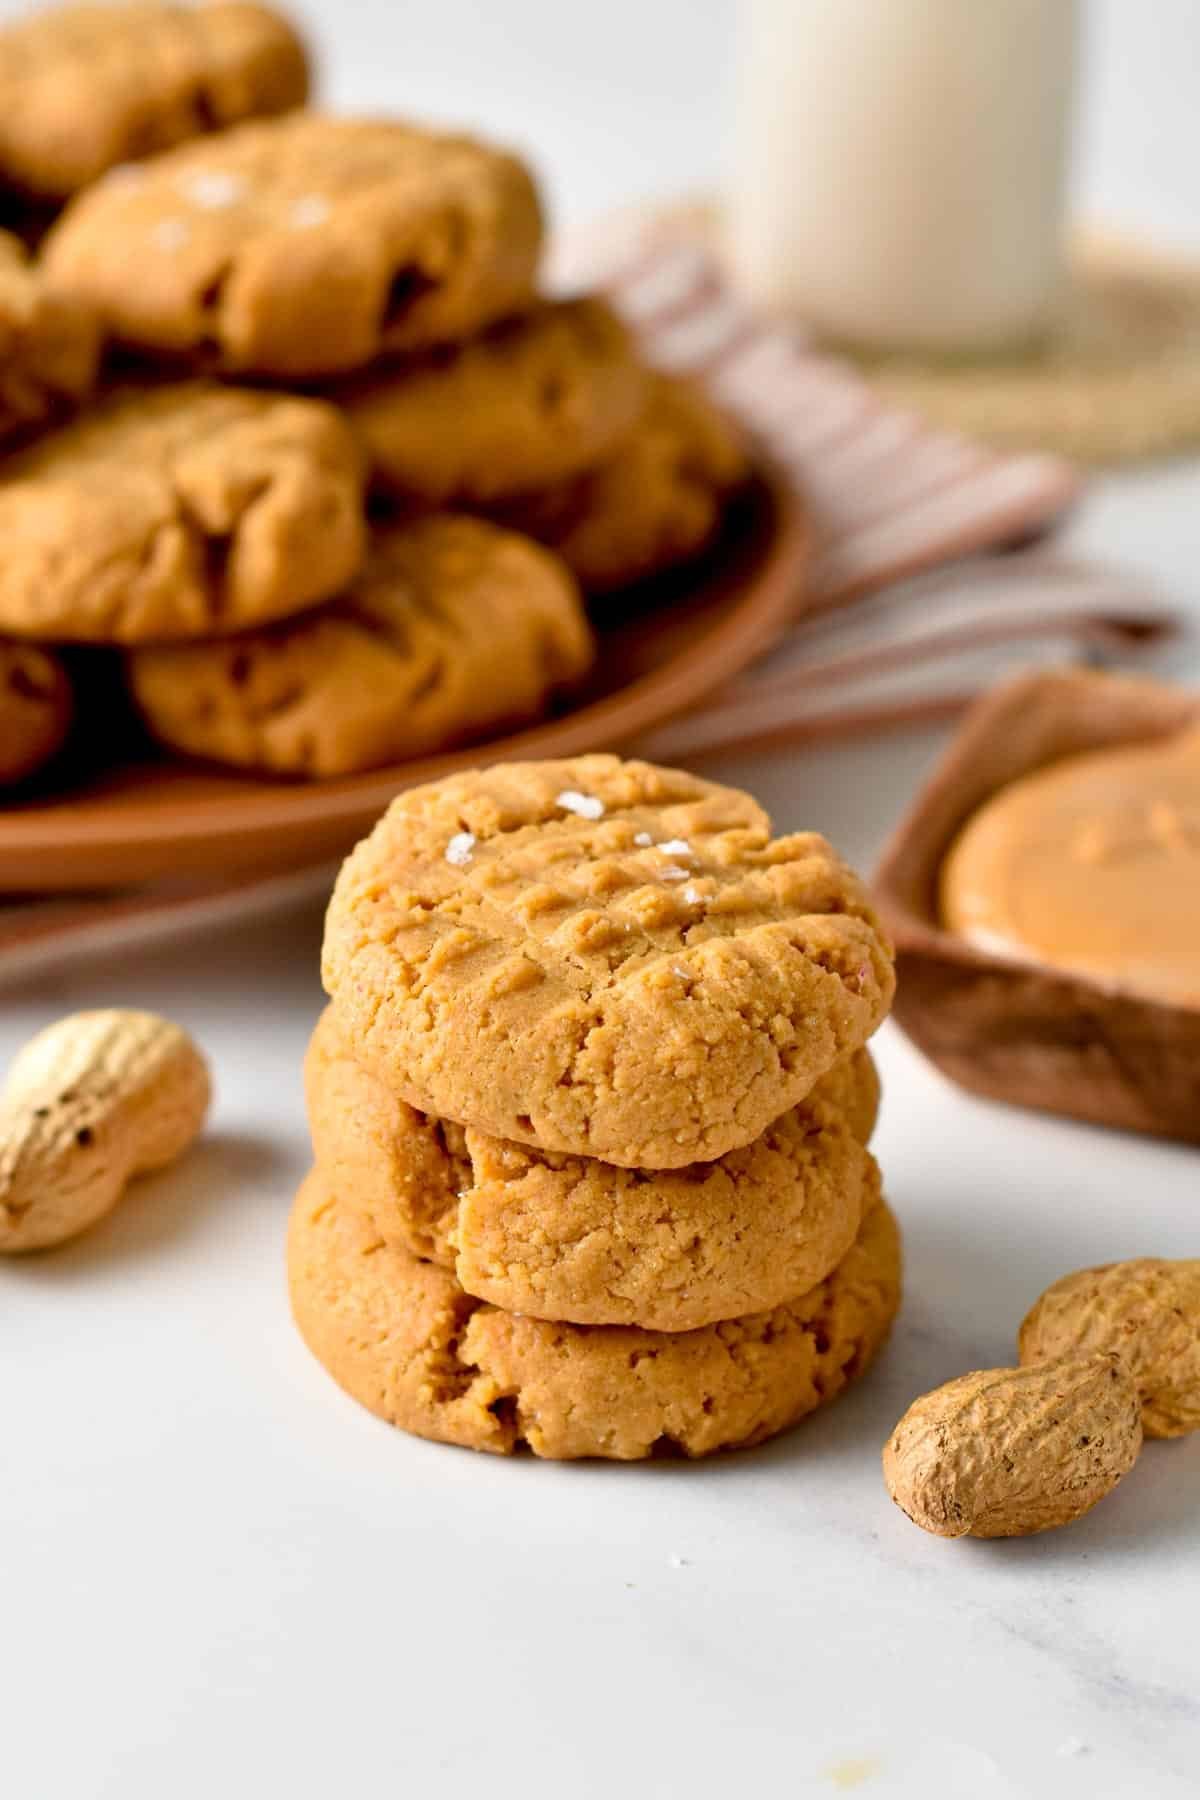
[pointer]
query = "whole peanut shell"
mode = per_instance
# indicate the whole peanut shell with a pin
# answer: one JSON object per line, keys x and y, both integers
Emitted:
{"x": 1006, "y": 1452}
{"x": 90, "y": 1102}
{"x": 1149, "y": 1311}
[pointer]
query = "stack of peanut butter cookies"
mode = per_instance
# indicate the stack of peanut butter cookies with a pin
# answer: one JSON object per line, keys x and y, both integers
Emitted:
{"x": 286, "y": 417}
{"x": 590, "y": 1105}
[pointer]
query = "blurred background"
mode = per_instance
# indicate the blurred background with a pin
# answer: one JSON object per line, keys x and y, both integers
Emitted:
{"x": 631, "y": 99}
{"x": 633, "y": 102}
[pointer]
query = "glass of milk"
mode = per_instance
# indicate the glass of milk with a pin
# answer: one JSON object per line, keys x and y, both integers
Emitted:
{"x": 900, "y": 167}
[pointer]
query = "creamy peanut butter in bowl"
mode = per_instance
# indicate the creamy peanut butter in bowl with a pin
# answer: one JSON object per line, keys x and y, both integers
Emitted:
{"x": 1043, "y": 892}
{"x": 1091, "y": 865}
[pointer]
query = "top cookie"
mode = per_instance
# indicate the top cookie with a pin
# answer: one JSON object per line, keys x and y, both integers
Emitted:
{"x": 83, "y": 88}
{"x": 533, "y": 401}
{"x": 305, "y": 245}
{"x": 601, "y": 957}
{"x": 178, "y": 512}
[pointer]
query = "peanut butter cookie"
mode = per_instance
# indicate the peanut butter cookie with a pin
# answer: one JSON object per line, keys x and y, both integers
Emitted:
{"x": 178, "y": 512}
{"x": 454, "y": 629}
{"x": 83, "y": 88}
{"x": 657, "y": 502}
{"x": 601, "y": 957}
{"x": 305, "y": 245}
{"x": 404, "y": 1340}
{"x": 35, "y": 709}
{"x": 49, "y": 344}
{"x": 564, "y": 1237}
{"x": 852, "y": 1089}
{"x": 533, "y": 401}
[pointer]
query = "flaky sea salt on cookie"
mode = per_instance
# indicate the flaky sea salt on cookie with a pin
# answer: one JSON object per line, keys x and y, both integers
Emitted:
{"x": 402, "y": 1338}
{"x": 305, "y": 245}
{"x": 563, "y": 982}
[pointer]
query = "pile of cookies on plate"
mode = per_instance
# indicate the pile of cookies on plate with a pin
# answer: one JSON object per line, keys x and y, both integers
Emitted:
{"x": 286, "y": 417}
{"x": 590, "y": 1108}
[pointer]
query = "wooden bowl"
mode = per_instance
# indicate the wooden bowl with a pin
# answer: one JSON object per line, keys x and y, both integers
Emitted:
{"x": 663, "y": 646}
{"x": 1020, "y": 1031}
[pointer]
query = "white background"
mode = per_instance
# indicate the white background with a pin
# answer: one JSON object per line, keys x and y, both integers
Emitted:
{"x": 217, "y": 1576}
{"x": 629, "y": 98}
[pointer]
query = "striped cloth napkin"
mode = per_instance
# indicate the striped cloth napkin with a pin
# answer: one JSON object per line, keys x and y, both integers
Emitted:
{"x": 917, "y": 598}
{"x": 915, "y": 601}
{"x": 890, "y": 494}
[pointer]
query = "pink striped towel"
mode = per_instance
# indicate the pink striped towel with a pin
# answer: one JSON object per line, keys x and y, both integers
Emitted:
{"x": 910, "y": 608}
{"x": 917, "y": 599}
{"x": 890, "y": 494}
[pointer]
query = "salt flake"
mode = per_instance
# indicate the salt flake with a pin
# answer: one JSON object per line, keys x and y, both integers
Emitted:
{"x": 311, "y": 210}
{"x": 458, "y": 850}
{"x": 644, "y": 839}
{"x": 692, "y": 897}
{"x": 214, "y": 189}
{"x": 677, "y": 847}
{"x": 586, "y": 805}
{"x": 673, "y": 872}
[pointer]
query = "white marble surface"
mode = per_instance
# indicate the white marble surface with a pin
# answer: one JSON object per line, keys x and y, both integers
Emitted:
{"x": 219, "y": 1576}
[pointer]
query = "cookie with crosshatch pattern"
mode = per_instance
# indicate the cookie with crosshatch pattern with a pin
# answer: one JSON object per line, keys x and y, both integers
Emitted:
{"x": 601, "y": 957}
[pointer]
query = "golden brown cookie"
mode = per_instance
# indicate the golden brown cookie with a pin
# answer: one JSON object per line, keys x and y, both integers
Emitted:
{"x": 404, "y": 1340}
{"x": 454, "y": 629}
{"x": 533, "y": 401}
{"x": 407, "y": 1170}
{"x": 657, "y": 502}
{"x": 49, "y": 343}
{"x": 641, "y": 973}
{"x": 35, "y": 709}
{"x": 852, "y": 1089}
{"x": 178, "y": 512}
{"x": 565, "y": 1237}
{"x": 305, "y": 245}
{"x": 83, "y": 88}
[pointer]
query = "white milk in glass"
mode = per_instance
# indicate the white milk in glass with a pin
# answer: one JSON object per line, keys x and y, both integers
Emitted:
{"x": 900, "y": 166}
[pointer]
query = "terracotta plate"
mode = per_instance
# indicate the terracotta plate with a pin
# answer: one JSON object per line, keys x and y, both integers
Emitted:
{"x": 662, "y": 647}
